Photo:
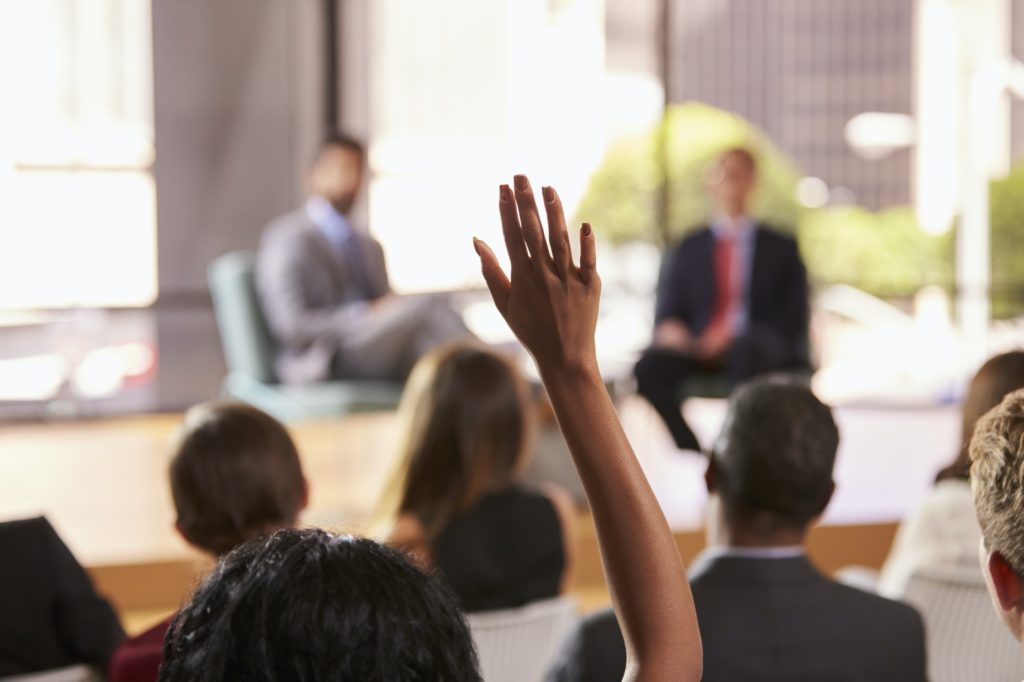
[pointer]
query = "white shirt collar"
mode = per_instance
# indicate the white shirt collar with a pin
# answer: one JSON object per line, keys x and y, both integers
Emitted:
{"x": 725, "y": 551}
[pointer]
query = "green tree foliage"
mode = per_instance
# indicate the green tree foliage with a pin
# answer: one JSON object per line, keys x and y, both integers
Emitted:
{"x": 885, "y": 253}
{"x": 1007, "y": 211}
{"x": 625, "y": 190}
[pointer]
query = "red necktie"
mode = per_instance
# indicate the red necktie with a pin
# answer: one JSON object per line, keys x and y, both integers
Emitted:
{"x": 725, "y": 279}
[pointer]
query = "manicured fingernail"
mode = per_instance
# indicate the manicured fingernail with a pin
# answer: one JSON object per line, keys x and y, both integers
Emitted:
{"x": 521, "y": 183}
{"x": 505, "y": 193}
{"x": 549, "y": 194}
{"x": 586, "y": 229}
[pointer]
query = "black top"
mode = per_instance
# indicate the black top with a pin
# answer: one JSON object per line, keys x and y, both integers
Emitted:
{"x": 504, "y": 552}
{"x": 50, "y": 616}
{"x": 771, "y": 620}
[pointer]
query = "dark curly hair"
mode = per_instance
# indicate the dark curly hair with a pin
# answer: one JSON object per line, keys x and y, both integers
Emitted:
{"x": 313, "y": 606}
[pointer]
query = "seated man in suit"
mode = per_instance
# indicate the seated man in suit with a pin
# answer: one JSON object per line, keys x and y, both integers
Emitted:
{"x": 997, "y": 479}
{"x": 235, "y": 474}
{"x": 51, "y": 616}
{"x": 765, "y": 613}
{"x": 732, "y": 298}
{"x": 324, "y": 289}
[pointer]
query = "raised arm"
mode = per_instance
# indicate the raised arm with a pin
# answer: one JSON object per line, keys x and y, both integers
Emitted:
{"x": 551, "y": 305}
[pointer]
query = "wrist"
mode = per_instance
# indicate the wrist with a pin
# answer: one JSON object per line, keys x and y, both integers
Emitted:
{"x": 574, "y": 373}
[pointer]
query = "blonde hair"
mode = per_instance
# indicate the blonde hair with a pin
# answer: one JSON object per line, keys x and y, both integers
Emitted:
{"x": 465, "y": 427}
{"x": 997, "y": 478}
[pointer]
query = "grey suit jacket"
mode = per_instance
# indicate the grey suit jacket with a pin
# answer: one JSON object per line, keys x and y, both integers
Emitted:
{"x": 771, "y": 620}
{"x": 309, "y": 295}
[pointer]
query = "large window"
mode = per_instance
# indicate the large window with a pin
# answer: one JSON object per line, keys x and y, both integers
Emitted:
{"x": 77, "y": 199}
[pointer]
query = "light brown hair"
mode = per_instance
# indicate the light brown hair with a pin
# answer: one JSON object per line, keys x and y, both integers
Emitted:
{"x": 465, "y": 428}
{"x": 997, "y": 479}
{"x": 235, "y": 473}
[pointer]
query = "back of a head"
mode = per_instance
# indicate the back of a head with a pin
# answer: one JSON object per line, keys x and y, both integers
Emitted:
{"x": 235, "y": 473}
{"x": 466, "y": 428}
{"x": 775, "y": 455}
{"x": 997, "y": 478}
{"x": 312, "y": 606}
{"x": 999, "y": 376}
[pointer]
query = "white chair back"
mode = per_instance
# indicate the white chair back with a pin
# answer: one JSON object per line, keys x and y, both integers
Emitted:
{"x": 519, "y": 645}
{"x": 965, "y": 638}
{"x": 77, "y": 673}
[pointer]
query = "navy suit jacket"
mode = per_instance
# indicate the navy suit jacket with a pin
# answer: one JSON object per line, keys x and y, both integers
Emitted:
{"x": 776, "y": 292}
{"x": 771, "y": 620}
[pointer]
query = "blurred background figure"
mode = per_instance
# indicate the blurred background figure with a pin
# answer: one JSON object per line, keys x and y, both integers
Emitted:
{"x": 466, "y": 427}
{"x": 325, "y": 290}
{"x": 234, "y": 475}
{"x": 732, "y": 300}
{"x": 943, "y": 530}
{"x": 52, "y": 617}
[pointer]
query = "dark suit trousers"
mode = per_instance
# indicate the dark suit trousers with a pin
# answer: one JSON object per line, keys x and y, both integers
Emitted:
{"x": 660, "y": 373}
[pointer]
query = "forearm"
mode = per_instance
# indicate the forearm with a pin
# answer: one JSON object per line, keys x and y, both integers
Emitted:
{"x": 642, "y": 565}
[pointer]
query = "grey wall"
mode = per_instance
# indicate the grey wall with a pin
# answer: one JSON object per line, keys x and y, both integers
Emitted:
{"x": 238, "y": 110}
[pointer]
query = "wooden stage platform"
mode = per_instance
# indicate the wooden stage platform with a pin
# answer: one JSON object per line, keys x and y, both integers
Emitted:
{"x": 103, "y": 485}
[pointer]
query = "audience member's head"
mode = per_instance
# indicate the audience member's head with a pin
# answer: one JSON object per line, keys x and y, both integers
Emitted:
{"x": 235, "y": 474}
{"x": 337, "y": 171}
{"x": 997, "y": 377}
{"x": 309, "y": 605}
{"x": 997, "y": 478}
{"x": 771, "y": 468}
{"x": 465, "y": 429}
{"x": 733, "y": 179}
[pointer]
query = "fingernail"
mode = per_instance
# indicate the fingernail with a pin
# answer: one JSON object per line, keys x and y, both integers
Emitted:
{"x": 476, "y": 245}
{"x": 505, "y": 193}
{"x": 549, "y": 194}
{"x": 521, "y": 183}
{"x": 586, "y": 229}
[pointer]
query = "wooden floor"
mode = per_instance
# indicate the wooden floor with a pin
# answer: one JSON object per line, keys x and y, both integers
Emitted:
{"x": 103, "y": 485}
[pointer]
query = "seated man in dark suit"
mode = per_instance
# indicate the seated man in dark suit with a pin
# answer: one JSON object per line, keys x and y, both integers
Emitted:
{"x": 765, "y": 613}
{"x": 51, "y": 617}
{"x": 324, "y": 287}
{"x": 732, "y": 299}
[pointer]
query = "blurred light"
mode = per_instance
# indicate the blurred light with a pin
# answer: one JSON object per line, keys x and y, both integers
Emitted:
{"x": 812, "y": 192}
{"x": 137, "y": 359}
{"x": 842, "y": 196}
{"x": 99, "y": 374}
{"x": 875, "y": 135}
{"x": 37, "y": 377}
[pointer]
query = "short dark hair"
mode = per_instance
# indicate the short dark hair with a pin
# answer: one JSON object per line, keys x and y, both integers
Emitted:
{"x": 311, "y": 605}
{"x": 776, "y": 453}
{"x": 235, "y": 473}
{"x": 338, "y": 138}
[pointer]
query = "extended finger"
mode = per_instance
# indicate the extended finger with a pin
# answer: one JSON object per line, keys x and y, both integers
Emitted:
{"x": 558, "y": 235}
{"x": 510, "y": 228}
{"x": 588, "y": 254}
{"x": 529, "y": 218}
{"x": 497, "y": 282}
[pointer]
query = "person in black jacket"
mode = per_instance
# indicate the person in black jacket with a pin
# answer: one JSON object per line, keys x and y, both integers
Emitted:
{"x": 766, "y": 614}
{"x": 732, "y": 299}
{"x": 51, "y": 615}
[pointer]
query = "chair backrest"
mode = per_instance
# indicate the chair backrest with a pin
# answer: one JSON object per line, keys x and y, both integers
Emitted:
{"x": 78, "y": 673}
{"x": 965, "y": 638}
{"x": 248, "y": 345}
{"x": 519, "y": 645}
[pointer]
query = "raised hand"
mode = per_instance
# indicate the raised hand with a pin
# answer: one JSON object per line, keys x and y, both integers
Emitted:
{"x": 550, "y": 303}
